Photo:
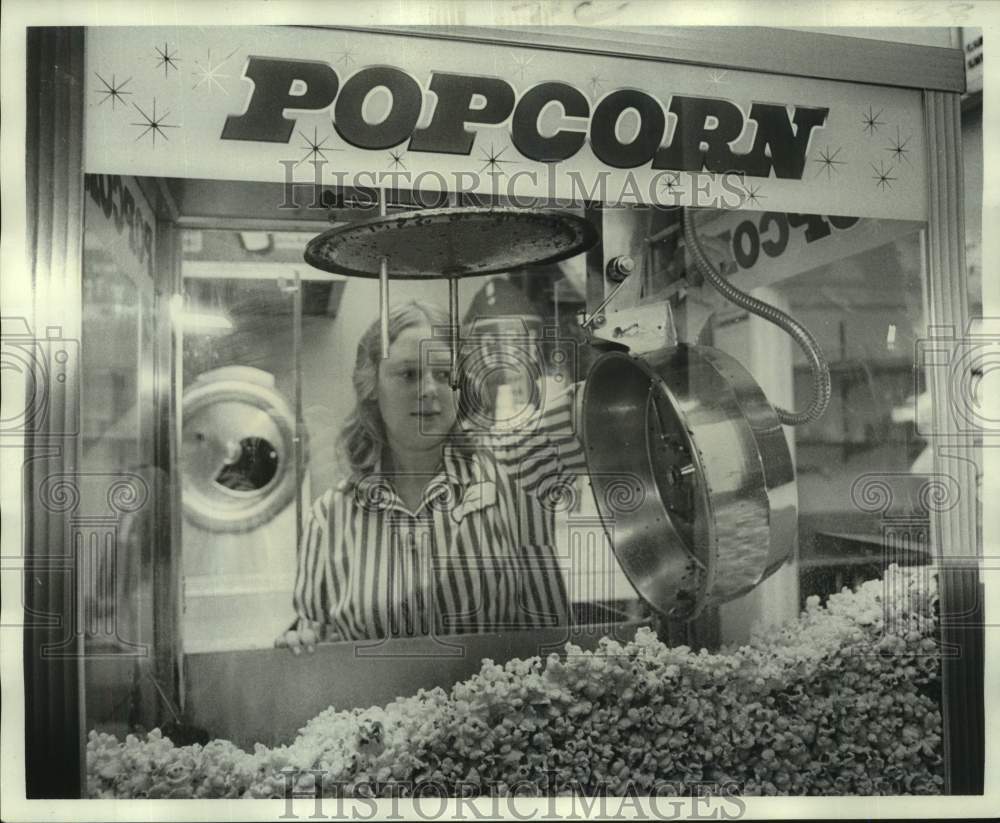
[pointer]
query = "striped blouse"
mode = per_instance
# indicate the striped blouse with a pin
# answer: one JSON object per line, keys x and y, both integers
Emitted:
{"x": 477, "y": 555}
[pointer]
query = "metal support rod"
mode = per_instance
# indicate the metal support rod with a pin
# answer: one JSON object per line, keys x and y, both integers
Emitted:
{"x": 454, "y": 199}
{"x": 297, "y": 377}
{"x": 383, "y": 304}
{"x": 383, "y": 287}
{"x": 663, "y": 234}
{"x": 555, "y": 304}
{"x": 453, "y": 322}
{"x": 176, "y": 571}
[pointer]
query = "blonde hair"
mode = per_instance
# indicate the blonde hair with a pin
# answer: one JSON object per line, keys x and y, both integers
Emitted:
{"x": 363, "y": 437}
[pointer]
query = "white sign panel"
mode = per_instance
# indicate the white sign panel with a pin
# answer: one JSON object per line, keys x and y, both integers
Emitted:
{"x": 373, "y": 110}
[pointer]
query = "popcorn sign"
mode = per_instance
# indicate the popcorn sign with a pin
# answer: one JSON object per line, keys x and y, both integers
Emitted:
{"x": 531, "y": 125}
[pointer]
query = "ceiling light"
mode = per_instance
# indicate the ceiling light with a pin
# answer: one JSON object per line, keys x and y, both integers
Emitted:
{"x": 255, "y": 241}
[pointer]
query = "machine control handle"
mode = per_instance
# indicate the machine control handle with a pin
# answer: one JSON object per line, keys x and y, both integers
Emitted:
{"x": 597, "y": 318}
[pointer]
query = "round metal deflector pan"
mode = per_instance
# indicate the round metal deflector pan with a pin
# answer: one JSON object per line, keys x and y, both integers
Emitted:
{"x": 453, "y": 242}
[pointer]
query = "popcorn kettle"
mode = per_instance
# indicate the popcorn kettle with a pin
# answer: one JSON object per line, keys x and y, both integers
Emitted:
{"x": 712, "y": 503}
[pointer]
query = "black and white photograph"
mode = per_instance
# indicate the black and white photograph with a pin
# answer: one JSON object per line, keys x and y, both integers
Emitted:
{"x": 473, "y": 410}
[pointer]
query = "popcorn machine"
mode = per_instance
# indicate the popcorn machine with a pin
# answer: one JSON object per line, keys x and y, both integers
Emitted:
{"x": 750, "y": 250}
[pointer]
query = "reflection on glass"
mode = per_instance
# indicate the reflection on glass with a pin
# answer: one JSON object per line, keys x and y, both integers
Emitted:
{"x": 867, "y": 309}
{"x": 117, "y": 537}
{"x": 857, "y": 285}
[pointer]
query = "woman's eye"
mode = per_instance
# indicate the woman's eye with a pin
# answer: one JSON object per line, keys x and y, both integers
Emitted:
{"x": 442, "y": 375}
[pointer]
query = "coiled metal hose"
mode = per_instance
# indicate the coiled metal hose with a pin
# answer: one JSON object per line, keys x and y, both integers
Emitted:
{"x": 799, "y": 333}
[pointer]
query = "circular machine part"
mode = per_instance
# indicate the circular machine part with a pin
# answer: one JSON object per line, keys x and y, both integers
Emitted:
{"x": 453, "y": 242}
{"x": 713, "y": 505}
{"x": 237, "y": 450}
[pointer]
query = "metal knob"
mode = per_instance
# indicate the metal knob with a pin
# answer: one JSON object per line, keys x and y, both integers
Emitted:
{"x": 619, "y": 268}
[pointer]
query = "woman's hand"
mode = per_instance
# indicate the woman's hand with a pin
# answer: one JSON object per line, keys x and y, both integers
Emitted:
{"x": 297, "y": 640}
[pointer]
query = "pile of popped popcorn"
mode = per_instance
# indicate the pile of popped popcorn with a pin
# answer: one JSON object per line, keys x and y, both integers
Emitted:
{"x": 844, "y": 701}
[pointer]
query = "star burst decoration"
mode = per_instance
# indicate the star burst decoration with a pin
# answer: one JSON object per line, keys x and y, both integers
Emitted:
{"x": 346, "y": 56}
{"x": 753, "y": 194}
{"x": 717, "y": 77}
{"x": 153, "y": 125}
{"x": 828, "y": 162}
{"x": 595, "y": 86}
{"x": 396, "y": 160}
{"x": 112, "y": 91}
{"x": 883, "y": 177}
{"x": 671, "y": 185}
{"x": 870, "y": 121}
{"x": 167, "y": 60}
{"x": 898, "y": 148}
{"x": 315, "y": 148}
{"x": 493, "y": 160}
{"x": 521, "y": 64}
{"x": 209, "y": 73}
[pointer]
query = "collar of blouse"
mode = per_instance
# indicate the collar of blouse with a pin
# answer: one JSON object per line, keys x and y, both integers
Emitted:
{"x": 465, "y": 483}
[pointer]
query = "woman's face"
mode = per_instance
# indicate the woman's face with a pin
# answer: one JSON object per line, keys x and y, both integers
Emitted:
{"x": 415, "y": 399}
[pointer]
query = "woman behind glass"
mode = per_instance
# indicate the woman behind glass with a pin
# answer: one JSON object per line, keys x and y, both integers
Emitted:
{"x": 441, "y": 526}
